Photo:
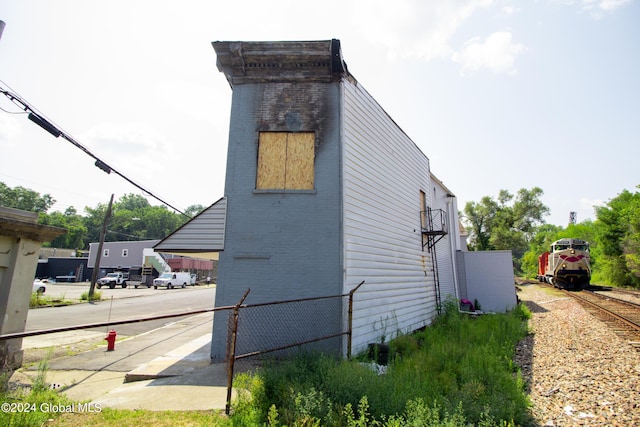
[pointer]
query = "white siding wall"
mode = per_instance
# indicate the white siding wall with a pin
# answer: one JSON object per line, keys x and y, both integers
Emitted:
{"x": 488, "y": 278}
{"x": 446, "y": 247}
{"x": 383, "y": 173}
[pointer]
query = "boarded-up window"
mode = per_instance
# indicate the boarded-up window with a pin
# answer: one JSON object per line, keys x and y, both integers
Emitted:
{"x": 285, "y": 161}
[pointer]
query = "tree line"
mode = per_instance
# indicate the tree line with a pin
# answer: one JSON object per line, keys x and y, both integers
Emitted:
{"x": 132, "y": 218}
{"x": 507, "y": 222}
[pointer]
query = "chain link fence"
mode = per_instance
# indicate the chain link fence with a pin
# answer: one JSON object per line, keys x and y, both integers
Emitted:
{"x": 283, "y": 328}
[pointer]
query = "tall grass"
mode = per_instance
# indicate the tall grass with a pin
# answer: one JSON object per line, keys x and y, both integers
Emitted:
{"x": 39, "y": 300}
{"x": 458, "y": 371}
{"x": 34, "y": 406}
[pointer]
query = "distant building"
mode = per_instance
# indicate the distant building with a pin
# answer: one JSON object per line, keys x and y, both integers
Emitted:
{"x": 63, "y": 269}
{"x": 125, "y": 255}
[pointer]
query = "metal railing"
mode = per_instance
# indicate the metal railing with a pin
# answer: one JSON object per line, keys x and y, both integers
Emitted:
{"x": 107, "y": 324}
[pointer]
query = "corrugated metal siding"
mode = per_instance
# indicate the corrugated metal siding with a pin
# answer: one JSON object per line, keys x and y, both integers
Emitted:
{"x": 203, "y": 233}
{"x": 383, "y": 173}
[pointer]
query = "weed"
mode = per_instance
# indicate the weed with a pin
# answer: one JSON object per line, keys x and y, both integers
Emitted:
{"x": 40, "y": 381}
{"x": 97, "y": 296}
{"x": 462, "y": 365}
{"x": 32, "y": 406}
{"x": 39, "y": 300}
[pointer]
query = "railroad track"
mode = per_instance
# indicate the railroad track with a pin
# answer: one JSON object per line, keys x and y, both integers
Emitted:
{"x": 633, "y": 293}
{"x": 623, "y": 317}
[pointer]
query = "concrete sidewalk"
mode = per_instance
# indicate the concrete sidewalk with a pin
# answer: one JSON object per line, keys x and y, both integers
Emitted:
{"x": 165, "y": 369}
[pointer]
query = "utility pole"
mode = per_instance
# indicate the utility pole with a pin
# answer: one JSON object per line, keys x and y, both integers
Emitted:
{"x": 96, "y": 265}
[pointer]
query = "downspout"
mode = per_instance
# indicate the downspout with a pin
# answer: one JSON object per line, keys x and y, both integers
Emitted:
{"x": 454, "y": 238}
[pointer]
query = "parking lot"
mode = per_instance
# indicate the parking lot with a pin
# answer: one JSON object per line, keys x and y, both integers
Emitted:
{"x": 73, "y": 291}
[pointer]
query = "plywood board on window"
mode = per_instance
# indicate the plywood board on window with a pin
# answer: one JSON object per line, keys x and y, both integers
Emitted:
{"x": 286, "y": 161}
{"x": 300, "y": 161}
{"x": 272, "y": 152}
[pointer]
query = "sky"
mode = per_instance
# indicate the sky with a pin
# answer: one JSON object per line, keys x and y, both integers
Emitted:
{"x": 499, "y": 95}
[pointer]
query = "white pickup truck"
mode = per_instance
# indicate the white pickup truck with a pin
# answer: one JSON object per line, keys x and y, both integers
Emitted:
{"x": 117, "y": 278}
{"x": 172, "y": 280}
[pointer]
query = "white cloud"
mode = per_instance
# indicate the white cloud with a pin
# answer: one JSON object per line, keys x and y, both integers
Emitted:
{"x": 137, "y": 150}
{"x": 597, "y": 8}
{"x": 591, "y": 204}
{"x": 187, "y": 98}
{"x": 10, "y": 128}
{"x": 497, "y": 53}
{"x": 131, "y": 138}
{"x": 605, "y": 5}
{"x": 134, "y": 149}
{"x": 415, "y": 29}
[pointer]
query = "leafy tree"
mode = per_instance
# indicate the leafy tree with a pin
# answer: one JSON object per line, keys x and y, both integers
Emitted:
{"x": 479, "y": 218}
{"x": 70, "y": 220}
{"x": 618, "y": 232}
{"x": 24, "y": 199}
{"x": 133, "y": 203}
{"x": 132, "y": 218}
{"x": 509, "y": 222}
{"x": 93, "y": 220}
{"x": 194, "y": 210}
{"x": 160, "y": 221}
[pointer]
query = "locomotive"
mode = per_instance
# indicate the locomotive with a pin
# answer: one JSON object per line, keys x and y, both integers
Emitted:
{"x": 567, "y": 265}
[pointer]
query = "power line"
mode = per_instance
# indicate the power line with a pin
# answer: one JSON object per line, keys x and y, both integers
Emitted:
{"x": 137, "y": 238}
{"x": 46, "y": 124}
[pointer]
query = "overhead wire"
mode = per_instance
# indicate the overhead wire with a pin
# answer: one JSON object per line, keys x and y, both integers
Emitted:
{"x": 138, "y": 238}
{"x": 45, "y": 123}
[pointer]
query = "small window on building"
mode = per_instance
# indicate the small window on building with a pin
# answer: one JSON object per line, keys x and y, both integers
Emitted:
{"x": 286, "y": 161}
{"x": 105, "y": 252}
{"x": 125, "y": 253}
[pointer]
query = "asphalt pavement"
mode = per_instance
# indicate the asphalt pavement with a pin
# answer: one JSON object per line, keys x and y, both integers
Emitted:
{"x": 167, "y": 368}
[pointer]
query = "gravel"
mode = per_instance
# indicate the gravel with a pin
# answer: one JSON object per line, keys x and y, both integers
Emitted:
{"x": 579, "y": 373}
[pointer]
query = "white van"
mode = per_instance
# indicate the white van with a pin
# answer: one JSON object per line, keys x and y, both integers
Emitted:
{"x": 172, "y": 280}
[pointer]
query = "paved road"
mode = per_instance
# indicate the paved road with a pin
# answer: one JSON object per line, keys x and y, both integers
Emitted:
{"x": 121, "y": 304}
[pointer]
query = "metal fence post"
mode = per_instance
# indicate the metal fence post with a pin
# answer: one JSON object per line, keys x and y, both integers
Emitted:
{"x": 232, "y": 350}
{"x": 350, "y": 326}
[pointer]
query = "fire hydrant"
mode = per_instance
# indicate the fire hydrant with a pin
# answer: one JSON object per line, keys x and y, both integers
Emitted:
{"x": 111, "y": 340}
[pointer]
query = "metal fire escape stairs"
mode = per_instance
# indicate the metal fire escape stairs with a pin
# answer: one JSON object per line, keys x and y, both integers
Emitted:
{"x": 434, "y": 228}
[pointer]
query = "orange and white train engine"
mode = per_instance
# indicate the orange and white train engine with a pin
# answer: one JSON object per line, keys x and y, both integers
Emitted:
{"x": 566, "y": 265}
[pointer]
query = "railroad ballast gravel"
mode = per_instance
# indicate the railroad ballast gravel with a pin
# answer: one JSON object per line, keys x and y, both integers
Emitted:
{"x": 579, "y": 373}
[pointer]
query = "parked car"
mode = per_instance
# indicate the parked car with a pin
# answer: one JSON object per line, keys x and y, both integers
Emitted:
{"x": 39, "y": 286}
{"x": 117, "y": 278}
{"x": 172, "y": 280}
{"x": 194, "y": 279}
